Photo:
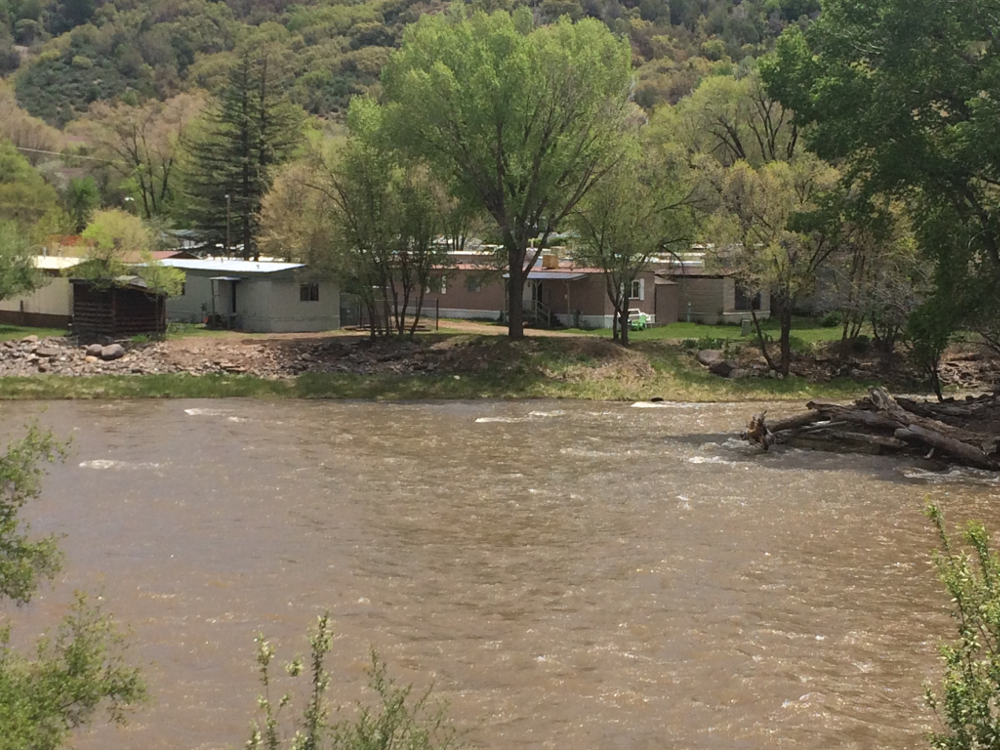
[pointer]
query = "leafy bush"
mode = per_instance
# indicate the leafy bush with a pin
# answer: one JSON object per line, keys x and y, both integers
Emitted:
{"x": 61, "y": 683}
{"x": 398, "y": 721}
{"x": 799, "y": 346}
{"x": 831, "y": 320}
{"x": 971, "y": 685}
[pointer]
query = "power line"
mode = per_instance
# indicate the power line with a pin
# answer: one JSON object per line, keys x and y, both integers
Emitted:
{"x": 68, "y": 156}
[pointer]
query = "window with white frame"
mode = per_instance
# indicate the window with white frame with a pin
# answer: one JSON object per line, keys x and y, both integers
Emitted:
{"x": 638, "y": 290}
{"x": 436, "y": 285}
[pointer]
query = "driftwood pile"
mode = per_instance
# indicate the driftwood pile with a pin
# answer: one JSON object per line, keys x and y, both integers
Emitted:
{"x": 961, "y": 432}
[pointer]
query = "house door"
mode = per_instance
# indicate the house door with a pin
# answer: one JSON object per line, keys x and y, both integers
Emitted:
{"x": 530, "y": 296}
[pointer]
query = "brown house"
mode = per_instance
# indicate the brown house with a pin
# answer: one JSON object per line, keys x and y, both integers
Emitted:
{"x": 713, "y": 298}
{"x": 116, "y": 311}
{"x": 559, "y": 292}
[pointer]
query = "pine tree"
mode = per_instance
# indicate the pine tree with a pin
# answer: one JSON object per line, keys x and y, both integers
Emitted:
{"x": 250, "y": 128}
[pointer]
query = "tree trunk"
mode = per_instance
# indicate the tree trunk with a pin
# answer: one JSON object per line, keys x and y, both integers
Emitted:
{"x": 372, "y": 313}
{"x": 761, "y": 341}
{"x": 419, "y": 308}
{"x": 387, "y": 311}
{"x": 515, "y": 296}
{"x": 786, "y": 336}
{"x": 623, "y": 320}
{"x": 888, "y": 425}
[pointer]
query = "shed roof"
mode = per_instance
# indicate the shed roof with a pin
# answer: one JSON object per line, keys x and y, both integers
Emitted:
{"x": 227, "y": 266}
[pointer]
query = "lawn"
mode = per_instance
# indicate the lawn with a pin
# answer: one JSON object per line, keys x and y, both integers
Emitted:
{"x": 805, "y": 329}
{"x": 7, "y": 333}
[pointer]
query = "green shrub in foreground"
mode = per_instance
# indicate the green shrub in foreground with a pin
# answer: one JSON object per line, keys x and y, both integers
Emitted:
{"x": 970, "y": 691}
{"x": 398, "y": 721}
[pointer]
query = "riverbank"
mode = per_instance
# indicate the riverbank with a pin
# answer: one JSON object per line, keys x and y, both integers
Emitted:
{"x": 428, "y": 367}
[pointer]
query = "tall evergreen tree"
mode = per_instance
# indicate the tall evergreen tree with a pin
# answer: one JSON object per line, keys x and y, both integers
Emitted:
{"x": 250, "y": 127}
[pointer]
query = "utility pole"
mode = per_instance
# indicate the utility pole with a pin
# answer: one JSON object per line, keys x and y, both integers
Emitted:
{"x": 228, "y": 202}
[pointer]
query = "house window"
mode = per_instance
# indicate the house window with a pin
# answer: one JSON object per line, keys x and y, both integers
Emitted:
{"x": 745, "y": 300}
{"x": 638, "y": 289}
{"x": 436, "y": 286}
{"x": 309, "y": 293}
{"x": 472, "y": 284}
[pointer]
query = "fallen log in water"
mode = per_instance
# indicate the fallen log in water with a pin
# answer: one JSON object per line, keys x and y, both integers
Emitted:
{"x": 879, "y": 423}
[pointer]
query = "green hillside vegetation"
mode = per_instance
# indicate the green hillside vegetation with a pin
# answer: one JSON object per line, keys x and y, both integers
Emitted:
{"x": 63, "y": 56}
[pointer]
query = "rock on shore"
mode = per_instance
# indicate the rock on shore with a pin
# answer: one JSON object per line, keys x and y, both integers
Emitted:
{"x": 263, "y": 358}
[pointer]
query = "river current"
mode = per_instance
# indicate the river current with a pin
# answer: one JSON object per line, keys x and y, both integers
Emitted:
{"x": 567, "y": 575}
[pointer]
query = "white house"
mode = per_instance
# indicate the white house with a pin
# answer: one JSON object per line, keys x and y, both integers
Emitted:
{"x": 49, "y": 305}
{"x": 256, "y": 296}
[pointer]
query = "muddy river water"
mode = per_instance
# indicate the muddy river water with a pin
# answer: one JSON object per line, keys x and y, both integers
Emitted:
{"x": 569, "y": 575}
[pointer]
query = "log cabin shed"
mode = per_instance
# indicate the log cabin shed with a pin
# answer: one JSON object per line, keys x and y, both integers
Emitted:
{"x": 120, "y": 310}
{"x": 254, "y": 296}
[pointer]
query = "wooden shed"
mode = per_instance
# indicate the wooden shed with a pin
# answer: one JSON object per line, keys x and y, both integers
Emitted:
{"x": 117, "y": 311}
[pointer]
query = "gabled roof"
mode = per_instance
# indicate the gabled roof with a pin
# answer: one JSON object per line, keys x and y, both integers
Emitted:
{"x": 228, "y": 266}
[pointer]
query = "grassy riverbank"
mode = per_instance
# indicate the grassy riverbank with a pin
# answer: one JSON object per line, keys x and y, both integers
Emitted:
{"x": 471, "y": 367}
{"x": 12, "y": 332}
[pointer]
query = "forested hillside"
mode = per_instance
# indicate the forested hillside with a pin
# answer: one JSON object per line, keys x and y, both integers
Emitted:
{"x": 63, "y": 55}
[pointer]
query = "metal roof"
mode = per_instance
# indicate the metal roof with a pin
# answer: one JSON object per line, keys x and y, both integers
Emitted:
{"x": 543, "y": 275}
{"x": 55, "y": 262}
{"x": 225, "y": 265}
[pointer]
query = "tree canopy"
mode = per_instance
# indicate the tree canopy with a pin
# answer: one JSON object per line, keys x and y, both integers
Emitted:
{"x": 519, "y": 121}
{"x": 17, "y": 262}
{"x": 121, "y": 247}
{"x": 905, "y": 94}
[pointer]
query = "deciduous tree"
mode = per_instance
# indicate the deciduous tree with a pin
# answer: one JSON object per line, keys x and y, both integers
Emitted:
{"x": 25, "y": 198}
{"x": 36, "y": 139}
{"x": 905, "y": 93}
{"x": 387, "y": 216}
{"x": 143, "y": 144}
{"x": 17, "y": 262}
{"x": 638, "y": 211}
{"x": 121, "y": 246}
{"x": 776, "y": 225}
{"x": 520, "y": 121}
{"x": 81, "y": 667}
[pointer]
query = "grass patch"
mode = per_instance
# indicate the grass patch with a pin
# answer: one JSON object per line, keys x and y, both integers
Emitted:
{"x": 473, "y": 367}
{"x": 8, "y": 332}
{"x": 666, "y": 384}
{"x": 806, "y": 329}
